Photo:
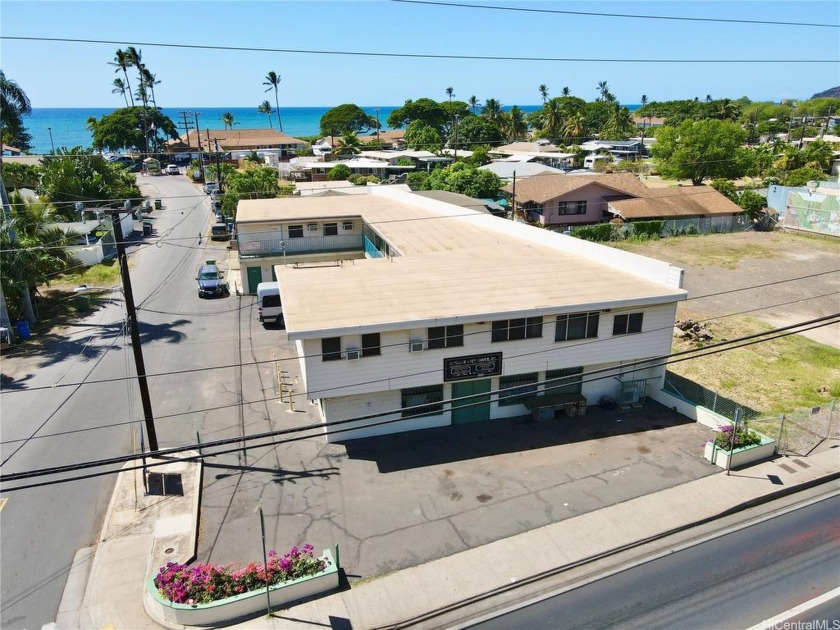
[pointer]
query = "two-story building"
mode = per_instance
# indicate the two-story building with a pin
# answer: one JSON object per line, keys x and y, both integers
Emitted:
{"x": 433, "y": 314}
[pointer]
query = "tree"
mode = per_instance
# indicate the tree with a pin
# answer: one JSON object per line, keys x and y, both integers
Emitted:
{"x": 473, "y": 102}
{"x": 492, "y": 110}
{"x": 543, "y": 92}
{"x": 619, "y": 123}
{"x": 514, "y": 125}
{"x": 122, "y": 61}
{"x": 463, "y": 178}
{"x": 425, "y": 110}
{"x": 255, "y": 182}
{"x": 339, "y": 172}
{"x": 566, "y": 91}
{"x": 14, "y": 105}
{"x": 752, "y": 203}
{"x": 272, "y": 80}
{"x": 149, "y": 81}
{"x": 603, "y": 90}
{"x": 726, "y": 188}
{"x": 420, "y": 136}
{"x": 574, "y": 126}
{"x": 474, "y": 130}
{"x": 265, "y": 108}
{"x": 127, "y": 128}
{"x": 552, "y": 119}
{"x": 227, "y": 120}
{"x": 82, "y": 174}
{"x": 344, "y": 118}
{"x": 348, "y": 144}
{"x": 818, "y": 153}
{"x": 119, "y": 88}
{"x": 699, "y": 150}
{"x": 38, "y": 253}
{"x": 450, "y": 92}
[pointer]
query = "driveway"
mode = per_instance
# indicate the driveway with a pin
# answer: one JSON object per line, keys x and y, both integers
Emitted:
{"x": 397, "y": 501}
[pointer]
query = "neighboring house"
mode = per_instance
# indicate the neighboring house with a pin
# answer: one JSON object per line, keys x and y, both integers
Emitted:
{"x": 506, "y": 170}
{"x": 702, "y": 206}
{"x": 449, "y": 316}
{"x": 562, "y": 201}
{"x": 358, "y": 166}
{"x": 618, "y": 149}
{"x": 421, "y": 159}
{"x": 238, "y": 142}
{"x": 94, "y": 238}
{"x": 541, "y": 151}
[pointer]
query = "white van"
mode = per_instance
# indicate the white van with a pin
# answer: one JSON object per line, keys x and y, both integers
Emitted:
{"x": 591, "y": 160}
{"x": 269, "y": 308}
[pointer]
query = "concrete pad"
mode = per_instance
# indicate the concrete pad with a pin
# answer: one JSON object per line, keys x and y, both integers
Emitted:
{"x": 502, "y": 519}
{"x": 173, "y": 525}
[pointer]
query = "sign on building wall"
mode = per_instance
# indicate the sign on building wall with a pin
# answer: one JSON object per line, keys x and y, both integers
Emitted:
{"x": 475, "y": 366}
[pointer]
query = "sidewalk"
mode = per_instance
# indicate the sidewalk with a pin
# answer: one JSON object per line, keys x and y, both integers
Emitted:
{"x": 142, "y": 533}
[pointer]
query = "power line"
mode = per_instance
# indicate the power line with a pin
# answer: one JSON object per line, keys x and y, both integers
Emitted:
{"x": 273, "y": 399}
{"x": 482, "y": 332}
{"x": 320, "y": 427}
{"x": 616, "y": 15}
{"x": 348, "y": 53}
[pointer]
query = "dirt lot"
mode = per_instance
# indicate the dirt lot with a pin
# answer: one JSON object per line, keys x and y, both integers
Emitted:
{"x": 722, "y": 262}
{"x": 786, "y": 279}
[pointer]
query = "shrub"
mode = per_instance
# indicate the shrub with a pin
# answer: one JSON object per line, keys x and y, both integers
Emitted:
{"x": 205, "y": 583}
{"x": 744, "y": 436}
{"x": 647, "y": 229}
{"x": 600, "y": 233}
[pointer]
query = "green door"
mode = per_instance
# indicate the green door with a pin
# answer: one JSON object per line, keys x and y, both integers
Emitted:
{"x": 254, "y": 278}
{"x": 475, "y": 409}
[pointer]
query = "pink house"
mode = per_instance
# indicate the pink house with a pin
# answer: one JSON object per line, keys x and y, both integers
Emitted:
{"x": 560, "y": 200}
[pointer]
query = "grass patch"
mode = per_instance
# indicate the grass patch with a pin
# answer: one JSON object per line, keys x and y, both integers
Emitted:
{"x": 105, "y": 274}
{"x": 774, "y": 377}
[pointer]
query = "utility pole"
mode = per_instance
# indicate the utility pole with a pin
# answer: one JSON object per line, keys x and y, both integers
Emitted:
{"x": 378, "y": 144}
{"x": 513, "y": 199}
{"x": 134, "y": 329}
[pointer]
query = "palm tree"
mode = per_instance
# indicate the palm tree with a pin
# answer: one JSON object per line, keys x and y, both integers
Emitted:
{"x": 265, "y": 108}
{"x": 492, "y": 110}
{"x": 603, "y": 89}
{"x": 552, "y": 119}
{"x": 566, "y": 91}
{"x": 708, "y": 98}
{"x": 513, "y": 124}
{"x": 151, "y": 81}
{"x": 227, "y": 120}
{"x": 348, "y": 144}
{"x": 450, "y": 91}
{"x": 573, "y": 127}
{"x": 473, "y": 102}
{"x": 543, "y": 92}
{"x": 272, "y": 80}
{"x": 119, "y": 88}
{"x": 644, "y": 100}
{"x": 619, "y": 123}
{"x": 122, "y": 61}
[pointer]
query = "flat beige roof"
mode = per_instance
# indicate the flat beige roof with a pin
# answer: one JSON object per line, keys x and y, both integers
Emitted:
{"x": 455, "y": 265}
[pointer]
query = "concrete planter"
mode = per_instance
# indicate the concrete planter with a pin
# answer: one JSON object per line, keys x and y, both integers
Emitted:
{"x": 226, "y": 611}
{"x": 741, "y": 456}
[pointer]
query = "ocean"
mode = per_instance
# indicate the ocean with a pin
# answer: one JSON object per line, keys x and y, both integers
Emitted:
{"x": 67, "y": 127}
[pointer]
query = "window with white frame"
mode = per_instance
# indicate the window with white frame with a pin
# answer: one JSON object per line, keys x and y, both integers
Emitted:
{"x": 295, "y": 231}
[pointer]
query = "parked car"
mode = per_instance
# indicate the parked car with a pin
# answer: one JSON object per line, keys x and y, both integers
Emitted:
{"x": 269, "y": 306}
{"x": 210, "y": 280}
{"x": 211, "y": 187}
{"x": 219, "y": 232}
{"x": 172, "y": 169}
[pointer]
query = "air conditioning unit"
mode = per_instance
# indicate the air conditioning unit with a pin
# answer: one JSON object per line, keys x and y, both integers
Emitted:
{"x": 352, "y": 353}
{"x": 312, "y": 227}
{"x": 347, "y": 226}
{"x": 416, "y": 346}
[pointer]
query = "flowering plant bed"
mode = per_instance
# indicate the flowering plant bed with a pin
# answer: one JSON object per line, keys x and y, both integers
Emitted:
{"x": 750, "y": 446}
{"x": 207, "y": 594}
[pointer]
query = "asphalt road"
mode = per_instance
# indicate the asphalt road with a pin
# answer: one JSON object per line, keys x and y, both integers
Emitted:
{"x": 41, "y": 529}
{"x": 734, "y": 581}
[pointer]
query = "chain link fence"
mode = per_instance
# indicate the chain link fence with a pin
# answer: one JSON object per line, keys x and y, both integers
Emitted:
{"x": 800, "y": 432}
{"x": 797, "y": 433}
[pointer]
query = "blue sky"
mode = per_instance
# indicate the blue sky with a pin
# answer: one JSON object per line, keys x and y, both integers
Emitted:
{"x": 78, "y": 75}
